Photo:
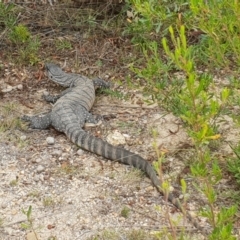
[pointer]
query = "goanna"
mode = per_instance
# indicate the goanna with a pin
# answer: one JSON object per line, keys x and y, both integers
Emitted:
{"x": 71, "y": 111}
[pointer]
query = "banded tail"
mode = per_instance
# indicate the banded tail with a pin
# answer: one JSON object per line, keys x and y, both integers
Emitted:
{"x": 103, "y": 148}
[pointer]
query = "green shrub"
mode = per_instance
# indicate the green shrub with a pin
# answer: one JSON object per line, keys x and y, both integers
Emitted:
{"x": 7, "y": 16}
{"x": 219, "y": 20}
{"x": 150, "y": 19}
{"x": 19, "y": 34}
{"x": 234, "y": 164}
{"x": 218, "y": 42}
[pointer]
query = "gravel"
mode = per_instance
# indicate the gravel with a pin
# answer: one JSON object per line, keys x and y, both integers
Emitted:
{"x": 50, "y": 140}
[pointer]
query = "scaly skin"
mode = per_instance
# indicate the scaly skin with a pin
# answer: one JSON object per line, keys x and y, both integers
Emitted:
{"x": 71, "y": 111}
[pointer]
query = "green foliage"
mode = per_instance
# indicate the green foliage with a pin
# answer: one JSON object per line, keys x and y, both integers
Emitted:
{"x": 151, "y": 19}
{"x": 234, "y": 164}
{"x": 48, "y": 202}
{"x": 165, "y": 188}
{"x": 28, "y": 214}
{"x": 218, "y": 44}
{"x": 13, "y": 183}
{"x": 221, "y": 43}
{"x": 155, "y": 68}
{"x": 29, "y": 52}
{"x": 190, "y": 97}
{"x": 132, "y": 234}
{"x": 114, "y": 93}
{"x": 27, "y": 45}
{"x": 9, "y": 120}
{"x": 201, "y": 107}
{"x": 19, "y": 34}
{"x": 7, "y": 16}
{"x": 125, "y": 212}
{"x": 63, "y": 44}
{"x": 28, "y": 225}
{"x": 197, "y": 105}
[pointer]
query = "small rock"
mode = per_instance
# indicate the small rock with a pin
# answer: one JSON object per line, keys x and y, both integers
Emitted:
{"x": 31, "y": 236}
{"x": 40, "y": 169}
{"x": 46, "y": 177}
{"x": 116, "y": 138}
{"x": 38, "y": 160}
{"x": 80, "y": 152}
{"x": 181, "y": 196}
{"x": 50, "y": 140}
{"x": 41, "y": 177}
{"x": 8, "y": 230}
{"x": 126, "y": 135}
{"x": 45, "y": 93}
{"x": 57, "y": 152}
{"x": 65, "y": 156}
{"x": 12, "y": 177}
{"x": 23, "y": 137}
{"x": 19, "y": 86}
{"x": 36, "y": 178}
{"x": 8, "y": 89}
{"x": 149, "y": 188}
{"x": 4, "y": 205}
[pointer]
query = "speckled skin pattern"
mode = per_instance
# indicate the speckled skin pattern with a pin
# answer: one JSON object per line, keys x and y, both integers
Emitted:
{"x": 71, "y": 111}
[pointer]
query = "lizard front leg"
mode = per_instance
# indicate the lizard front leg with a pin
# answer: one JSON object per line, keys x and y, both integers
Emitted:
{"x": 38, "y": 121}
{"x": 53, "y": 98}
{"x": 99, "y": 83}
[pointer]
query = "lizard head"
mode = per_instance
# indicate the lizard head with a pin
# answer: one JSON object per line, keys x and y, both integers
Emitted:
{"x": 53, "y": 70}
{"x": 57, "y": 75}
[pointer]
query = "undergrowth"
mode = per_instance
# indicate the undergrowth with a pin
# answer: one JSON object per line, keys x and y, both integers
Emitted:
{"x": 216, "y": 43}
{"x": 10, "y": 122}
{"x": 19, "y": 38}
{"x": 172, "y": 59}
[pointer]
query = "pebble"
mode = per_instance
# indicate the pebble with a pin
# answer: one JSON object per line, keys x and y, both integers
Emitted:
{"x": 40, "y": 169}
{"x": 50, "y": 140}
{"x": 8, "y": 89}
{"x": 8, "y": 230}
{"x": 57, "y": 152}
{"x": 180, "y": 197}
{"x": 4, "y": 205}
{"x": 80, "y": 152}
{"x": 45, "y": 93}
{"x": 149, "y": 188}
{"x": 41, "y": 177}
{"x": 116, "y": 138}
{"x": 65, "y": 156}
{"x": 32, "y": 236}
{"x": 38, "y": 160}
{"x": 19, "y": 86}
{"x": 12, "y": 177}
{"x": 23, "y": 137}
{"x": 36, "y": 178}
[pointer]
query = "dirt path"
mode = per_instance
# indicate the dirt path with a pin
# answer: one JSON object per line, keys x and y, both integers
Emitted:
{"x": 78, "y": 195}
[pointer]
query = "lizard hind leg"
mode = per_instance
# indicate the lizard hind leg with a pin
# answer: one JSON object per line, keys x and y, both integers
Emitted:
{"x": 100, "y": 83}
{"x": 38, "y": 121}
{"x": 90, "y": 118}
